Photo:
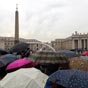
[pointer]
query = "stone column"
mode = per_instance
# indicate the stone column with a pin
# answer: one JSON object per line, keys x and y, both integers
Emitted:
{"x": 79, "y": 44}
{"x": 84, "y": 44}
{"x": 16, "y": 26}
{"x": 73, "y": 43}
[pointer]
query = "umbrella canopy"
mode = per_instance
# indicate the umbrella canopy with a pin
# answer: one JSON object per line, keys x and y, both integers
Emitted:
{"x": 85, "y": 53}
{"x": 24, "y": 78}
{"x": 6, "y": 59}
{"x": 78, "y": 63}
{"x": 22, "y": 62}
{"x": 67, "y": 53}
{"x": 2, "y": 51}
{"x": 19, "y": 48}
{"x": 70, "y": 78}
{"x": 48, "y": 57}
{"x": 84, "y": 57}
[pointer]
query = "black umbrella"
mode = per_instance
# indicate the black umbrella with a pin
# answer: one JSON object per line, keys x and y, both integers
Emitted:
{"x": 69, "y": 78}
{"x": 2, "y": 51}
{"x": 6, "y": 59}
{"x": 19, "y": 48}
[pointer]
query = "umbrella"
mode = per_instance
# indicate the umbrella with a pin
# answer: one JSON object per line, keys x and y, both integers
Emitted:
{"x": 67, "y": 53}
{"x": 6, "y": 59}
{"x": 85, "y": 53}
{"x": 50, "y": 61}
{"x": 48, "y": 57}
{"x": 19, "y": 48}
{"x": 2, "y": 51}
{"x": 78, "y": 63}
{"x": 84, "y": 57}
{"x": 70, "y": 78}
{"x": 22, "y": 62}
{"x": 24, "y": 78}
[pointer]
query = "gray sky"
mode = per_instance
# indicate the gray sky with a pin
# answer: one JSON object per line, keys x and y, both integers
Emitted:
{"x": 44, "y": 20}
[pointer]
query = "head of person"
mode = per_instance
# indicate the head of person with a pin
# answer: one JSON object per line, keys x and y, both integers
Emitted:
{"x": 50, "y": 84}
{"x": 54, "y": 85}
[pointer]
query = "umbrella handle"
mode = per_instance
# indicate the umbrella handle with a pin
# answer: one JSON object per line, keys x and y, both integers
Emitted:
{"x": 27, "y": 51}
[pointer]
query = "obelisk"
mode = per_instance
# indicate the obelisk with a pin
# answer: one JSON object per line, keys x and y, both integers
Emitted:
{"x": 16, "y": 25}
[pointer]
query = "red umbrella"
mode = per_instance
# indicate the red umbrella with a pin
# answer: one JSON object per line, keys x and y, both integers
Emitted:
{"x": 85, "y": 53}
{"x": 23, "y": 62}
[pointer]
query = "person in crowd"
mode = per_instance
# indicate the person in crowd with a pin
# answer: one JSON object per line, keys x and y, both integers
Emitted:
{"x": 50, "y": 84}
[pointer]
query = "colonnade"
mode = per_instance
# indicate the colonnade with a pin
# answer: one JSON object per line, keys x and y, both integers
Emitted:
{"x": 80, "y": 44}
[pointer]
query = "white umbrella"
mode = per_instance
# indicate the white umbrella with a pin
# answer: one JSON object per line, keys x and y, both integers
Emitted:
{"x": 24, "y": 78}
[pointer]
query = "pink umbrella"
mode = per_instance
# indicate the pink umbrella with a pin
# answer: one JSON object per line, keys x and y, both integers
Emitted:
{"x": 85, "y": 53}
{"x": 22, "y": 62}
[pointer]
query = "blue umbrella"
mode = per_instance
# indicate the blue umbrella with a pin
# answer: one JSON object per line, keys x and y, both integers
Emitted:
{"x": 84, "y": 57}
{"x": 67, "y": 53}
{"x": 70, "y": 78}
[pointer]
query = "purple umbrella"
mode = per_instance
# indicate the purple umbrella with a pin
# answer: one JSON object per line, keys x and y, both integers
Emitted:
{"x": 22, "y": 62}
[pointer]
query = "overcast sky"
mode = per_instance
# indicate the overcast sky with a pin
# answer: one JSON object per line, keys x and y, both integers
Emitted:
{"x": 44, "y": 20}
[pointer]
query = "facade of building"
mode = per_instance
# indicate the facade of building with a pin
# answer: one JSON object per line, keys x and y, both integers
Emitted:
{"x": 8, "y": 42}
{"x": 76, "y": 41}
{"x": 2, "y": 45}
{"x": 80, "y": 41}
